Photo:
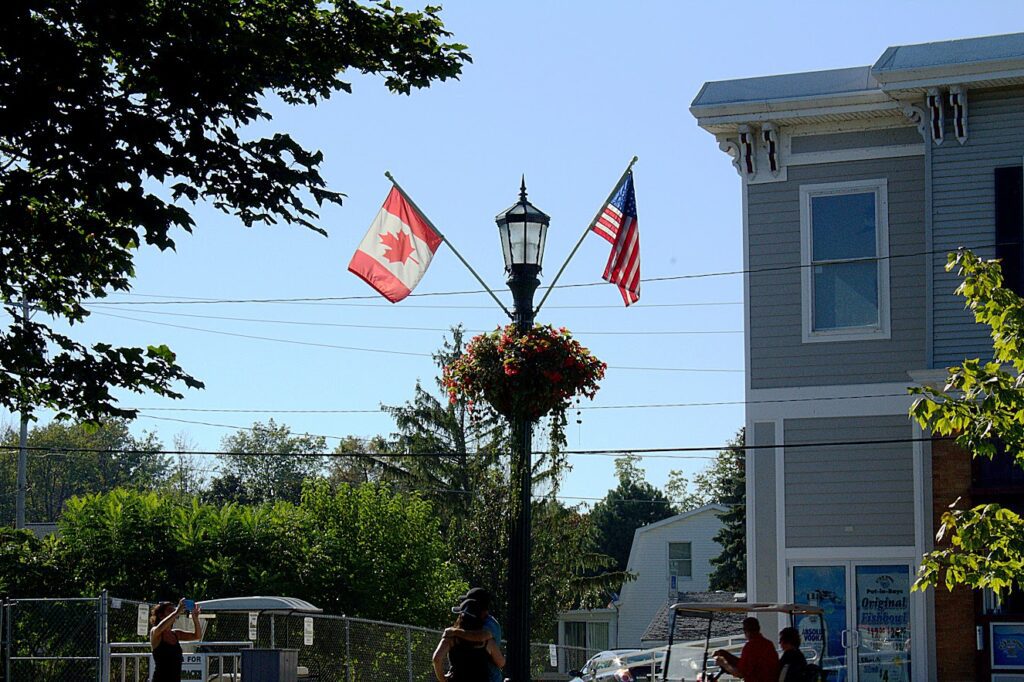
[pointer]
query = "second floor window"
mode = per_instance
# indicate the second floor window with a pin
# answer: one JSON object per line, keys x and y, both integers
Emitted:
{"x": 845, "y": 237}
{"x": 1009, "y": 210}
{"x": 680, "y": 562}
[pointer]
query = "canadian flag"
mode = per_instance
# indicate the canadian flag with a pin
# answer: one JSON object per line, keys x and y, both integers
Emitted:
{"x": 396, "y": 251}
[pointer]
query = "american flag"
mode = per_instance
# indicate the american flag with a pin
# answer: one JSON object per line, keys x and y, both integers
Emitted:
{"x": 617, "y": 223}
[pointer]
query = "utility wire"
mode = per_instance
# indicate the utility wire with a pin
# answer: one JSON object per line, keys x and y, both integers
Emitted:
{"x": 642, "y": 453}
{"x": 577, "y": 407}
{"x": 390, "y": 352}
{"x": 414, "y": 329}
{"x": 383, "y": 306}
{"x": 665, "y": 278}
{"x": 209, "y": 471}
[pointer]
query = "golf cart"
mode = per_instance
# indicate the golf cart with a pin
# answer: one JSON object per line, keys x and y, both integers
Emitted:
{"x": 688, "y": 661}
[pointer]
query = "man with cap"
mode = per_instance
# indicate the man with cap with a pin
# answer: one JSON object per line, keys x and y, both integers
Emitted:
{"x": 758, "y": 661}
{"x": 492, "y": 629}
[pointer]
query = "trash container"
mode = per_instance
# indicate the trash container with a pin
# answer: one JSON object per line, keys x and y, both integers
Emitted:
{"x": 270, "y": 665}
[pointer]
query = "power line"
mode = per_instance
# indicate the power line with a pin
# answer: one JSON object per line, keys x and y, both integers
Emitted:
{"x": 388, "y": 306}
{"x": 665, "y": 278}
{"x": 267, "y": 338}
{"x": 219, "y": 470}
{"x": 390, "y": 352}
{"x": 416, "y": 329}
{"x": 634, "y": 406}
{"x": 642, "y": 453}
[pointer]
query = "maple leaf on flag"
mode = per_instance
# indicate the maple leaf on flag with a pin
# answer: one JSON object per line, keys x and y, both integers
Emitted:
{"x": 398, "y": 247}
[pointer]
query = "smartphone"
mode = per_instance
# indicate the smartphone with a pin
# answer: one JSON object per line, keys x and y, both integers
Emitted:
{"x": 190, "y": 605}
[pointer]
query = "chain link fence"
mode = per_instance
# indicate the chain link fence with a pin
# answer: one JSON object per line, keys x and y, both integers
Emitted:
{"x": 53, "y": 639}
{"x": 103, "y": 639}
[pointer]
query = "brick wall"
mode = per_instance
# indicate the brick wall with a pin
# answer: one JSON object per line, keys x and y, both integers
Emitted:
{"x": 954, "y": 611}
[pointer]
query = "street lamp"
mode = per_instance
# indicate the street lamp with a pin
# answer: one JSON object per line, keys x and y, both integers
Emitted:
{"x": 523, "y": 229}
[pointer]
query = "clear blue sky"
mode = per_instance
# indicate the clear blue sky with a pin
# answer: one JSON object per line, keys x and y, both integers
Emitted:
{"x": 565, "y": 93}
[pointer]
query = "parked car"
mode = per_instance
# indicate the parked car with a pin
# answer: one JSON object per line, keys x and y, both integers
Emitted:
{"x": 620, "y": 665}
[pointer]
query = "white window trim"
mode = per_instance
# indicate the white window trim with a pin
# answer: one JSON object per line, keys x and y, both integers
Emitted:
{"x": 669, "y": 560}
{"x": 882, "y": 329}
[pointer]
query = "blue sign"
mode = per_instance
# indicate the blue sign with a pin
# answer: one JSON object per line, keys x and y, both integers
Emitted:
{"x": 1007, "y": 645}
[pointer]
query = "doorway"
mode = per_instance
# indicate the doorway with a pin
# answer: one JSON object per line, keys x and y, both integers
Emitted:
{"x": 867, "y": 617}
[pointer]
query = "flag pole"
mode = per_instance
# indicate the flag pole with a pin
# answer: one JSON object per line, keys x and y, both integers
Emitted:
{"x": 586, "y": 232}
{"x": 469, "y": 267}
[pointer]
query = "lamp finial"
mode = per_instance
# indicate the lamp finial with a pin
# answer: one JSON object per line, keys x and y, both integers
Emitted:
{"x": 522, "y": 189}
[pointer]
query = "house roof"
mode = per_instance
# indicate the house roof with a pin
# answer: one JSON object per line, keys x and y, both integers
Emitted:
{"x": 901, "y": 74}
{"x": 679, "y": 517}
{"x": 786, "y": 86}
{"x": 982, "y": 51}
{"x": 693, "y": 627}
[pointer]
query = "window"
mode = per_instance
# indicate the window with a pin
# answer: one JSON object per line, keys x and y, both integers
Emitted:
{"x": 597, "y": 636}
{"x": 845, "y": 247}
{"x": 576, "y": 653}
{"x": 680, "y": 561}
{"x": 1009, "y": 210}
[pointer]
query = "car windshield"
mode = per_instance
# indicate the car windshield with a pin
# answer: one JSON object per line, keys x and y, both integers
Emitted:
{"x": 643, "y": 657}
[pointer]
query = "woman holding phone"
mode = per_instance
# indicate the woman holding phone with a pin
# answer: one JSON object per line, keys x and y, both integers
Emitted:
{"x": 166, "y": 642}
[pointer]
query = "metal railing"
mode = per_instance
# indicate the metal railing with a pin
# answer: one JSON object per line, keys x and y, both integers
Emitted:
{"x": 103, "y": 639}
{"x": 133, "y": 661}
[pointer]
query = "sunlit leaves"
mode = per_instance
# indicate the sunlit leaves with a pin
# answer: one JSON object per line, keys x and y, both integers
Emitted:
{"x": 981, "y": 405}
{"x": 113, "y": 123}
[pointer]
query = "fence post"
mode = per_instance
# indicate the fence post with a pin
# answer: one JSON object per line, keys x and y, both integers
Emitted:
{"x": 348, "y": 650}
{"x": 7, "y": 607}
{"x": 102, "y": 636}
{"x": 408, "y": 651}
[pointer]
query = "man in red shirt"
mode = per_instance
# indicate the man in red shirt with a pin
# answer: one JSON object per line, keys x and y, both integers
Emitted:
{"x": 758, "y": 661}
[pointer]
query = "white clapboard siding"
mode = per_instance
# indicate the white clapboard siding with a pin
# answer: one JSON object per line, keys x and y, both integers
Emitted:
{"x": 648, "y": 559}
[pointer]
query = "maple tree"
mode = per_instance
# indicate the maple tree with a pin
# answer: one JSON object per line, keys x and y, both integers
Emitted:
{"x": 398, "y": 248}
{"x": 981, "y": 406}
{"x": 116, "y": 118}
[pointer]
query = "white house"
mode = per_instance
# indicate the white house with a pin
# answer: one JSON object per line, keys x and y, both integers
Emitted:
{"x": 669, "y": 557}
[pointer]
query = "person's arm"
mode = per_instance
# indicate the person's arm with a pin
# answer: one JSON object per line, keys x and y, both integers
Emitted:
{"x": 731, "y": 667}
{"x": 495, "y": 651}
{"x": 727, "y": 657}
{"x": 439, "y": 655}
{"x": 474, "y": 636}
{"x": 157, "y": 631}
{"x": 197, "y": 627}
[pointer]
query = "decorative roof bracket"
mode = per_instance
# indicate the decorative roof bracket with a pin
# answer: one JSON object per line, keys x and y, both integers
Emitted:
{"x": 919, "y": 118}
{"x": 748, "y": 151}
{"x": 958, "y": 102}
{"x": 936, "y": 114}
{"x": 770, "y": 137}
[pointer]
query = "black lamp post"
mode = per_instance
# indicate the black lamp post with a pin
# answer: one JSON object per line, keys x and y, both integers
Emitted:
{"x": 523, "y": 229}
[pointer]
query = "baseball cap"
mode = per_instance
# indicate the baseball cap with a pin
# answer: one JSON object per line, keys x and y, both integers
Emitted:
{"x": 468, "y": 607}
{"x": 477, "y": 594}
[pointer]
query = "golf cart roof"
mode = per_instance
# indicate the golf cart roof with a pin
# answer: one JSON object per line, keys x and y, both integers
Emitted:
{"x": 277, "y": 604}
{"x": 701, "y": 608}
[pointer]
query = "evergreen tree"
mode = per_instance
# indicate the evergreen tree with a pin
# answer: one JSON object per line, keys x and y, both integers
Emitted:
{"x": 630, "y": 505}
{"x": 730, "y": 566}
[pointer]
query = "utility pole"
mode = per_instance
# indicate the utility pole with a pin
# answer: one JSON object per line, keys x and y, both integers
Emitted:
{"x": 22, "y": 442}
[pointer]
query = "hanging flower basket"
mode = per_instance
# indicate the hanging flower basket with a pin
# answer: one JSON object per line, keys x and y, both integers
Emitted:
{"x": 530, "y": 374}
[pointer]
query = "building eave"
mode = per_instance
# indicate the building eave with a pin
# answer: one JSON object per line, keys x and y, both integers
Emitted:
{"x": 725, "y": 119}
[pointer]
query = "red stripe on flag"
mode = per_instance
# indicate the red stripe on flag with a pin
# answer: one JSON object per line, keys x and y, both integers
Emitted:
{"x": 377, "y": 276}
{"x": 623, "y": 267}
{"x": 397, "y": 206}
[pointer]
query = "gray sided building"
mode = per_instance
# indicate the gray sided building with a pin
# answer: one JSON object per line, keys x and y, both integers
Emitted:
{"x": 855, "y": 185}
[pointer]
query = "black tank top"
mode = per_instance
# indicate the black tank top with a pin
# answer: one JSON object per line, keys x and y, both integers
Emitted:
{"x": 167, "y": 659}
{"x": 469, "y": 662}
